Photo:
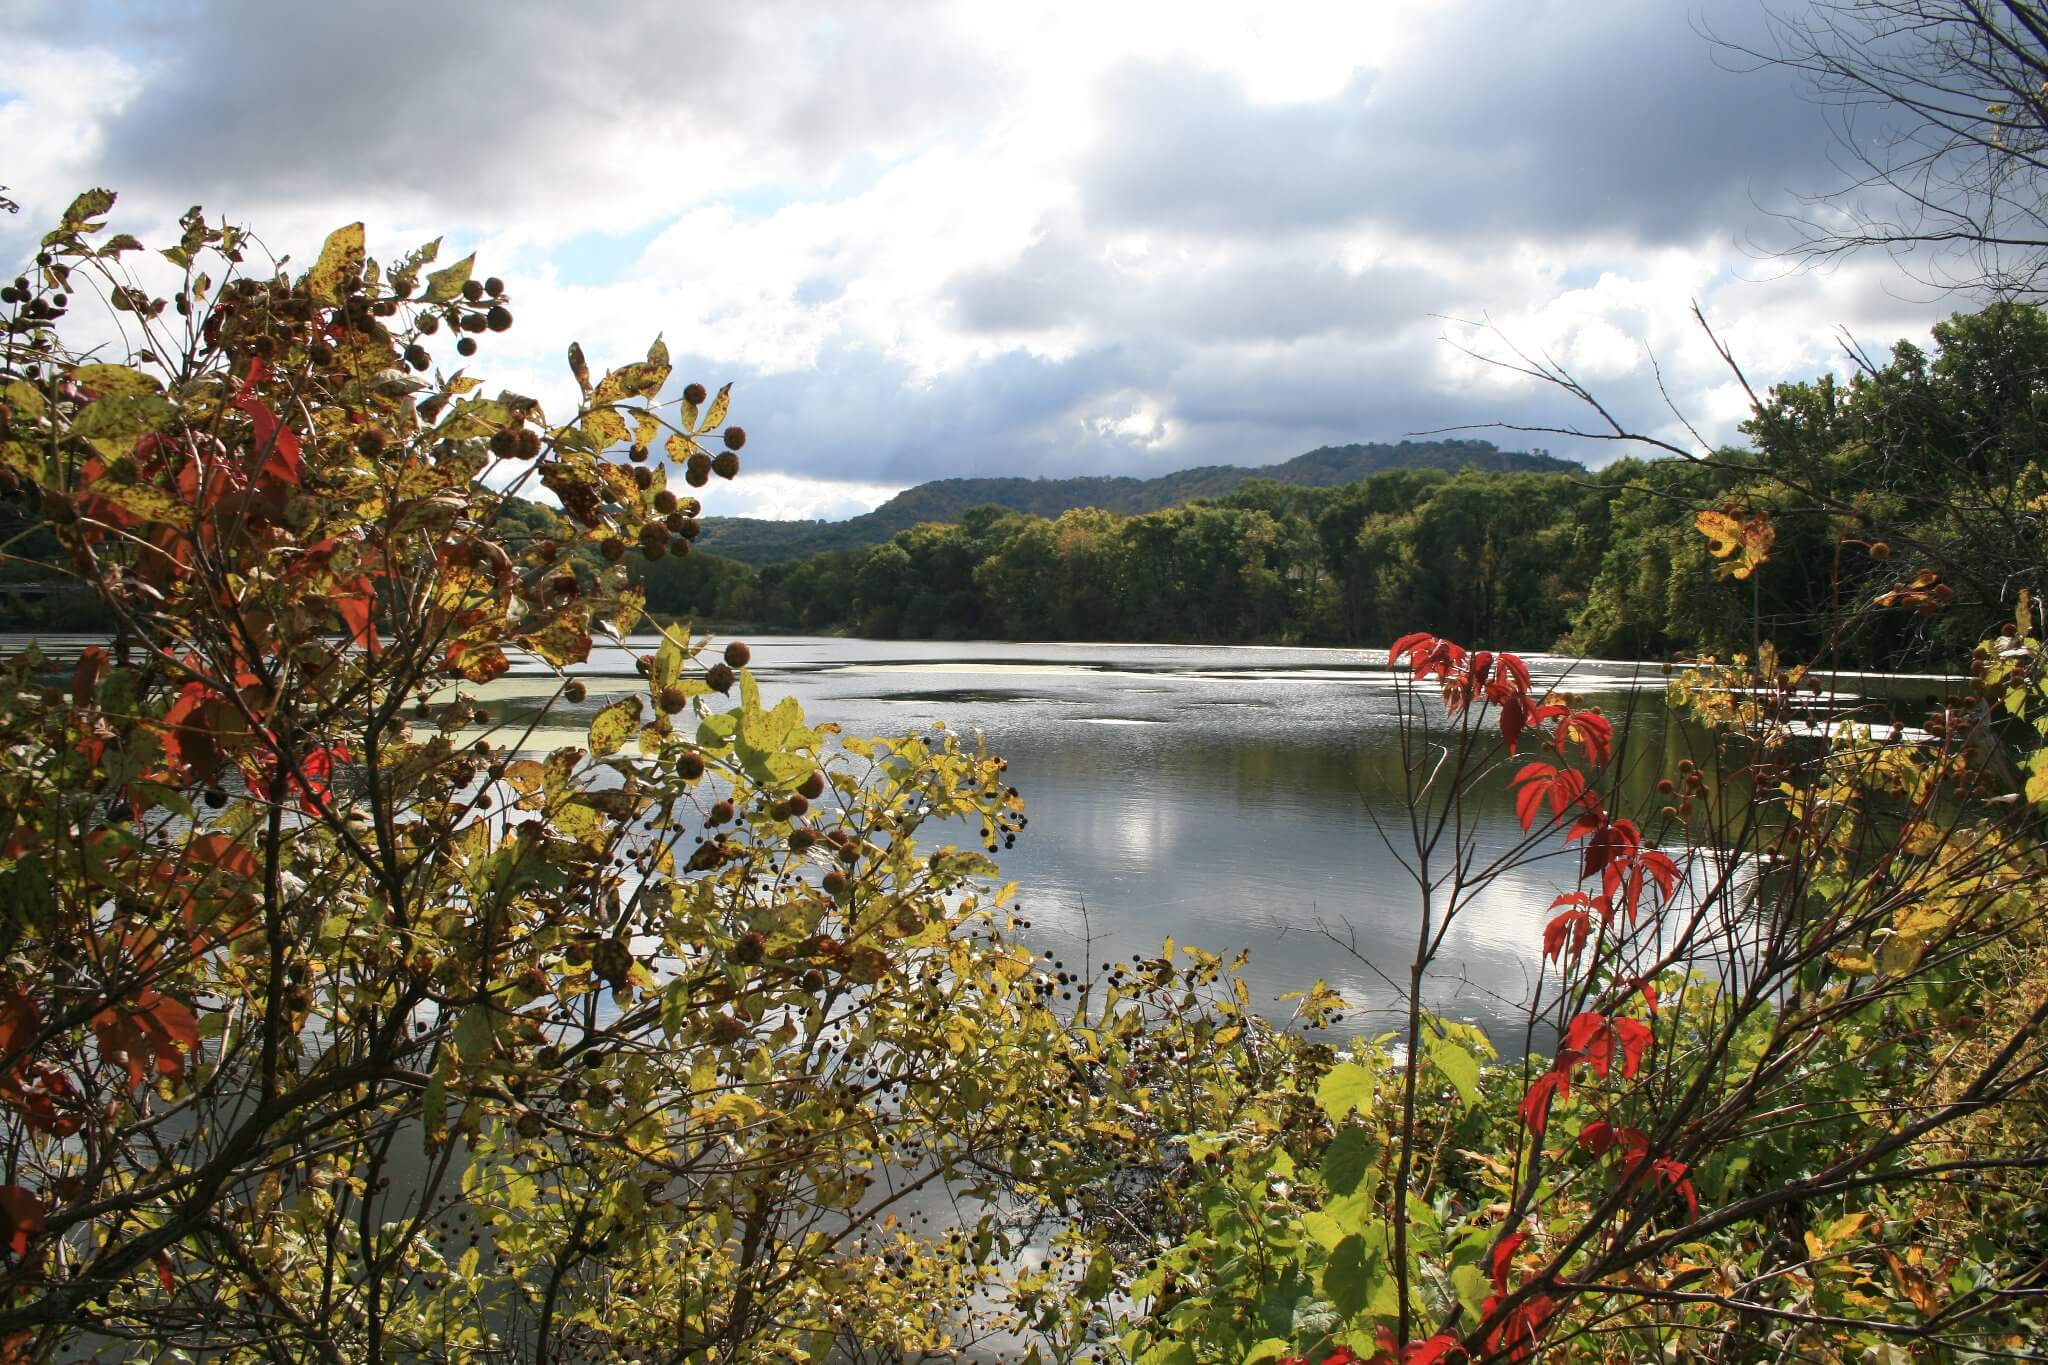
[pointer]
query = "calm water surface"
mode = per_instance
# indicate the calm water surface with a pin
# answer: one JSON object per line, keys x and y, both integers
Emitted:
{"x": 1222, "y": 795}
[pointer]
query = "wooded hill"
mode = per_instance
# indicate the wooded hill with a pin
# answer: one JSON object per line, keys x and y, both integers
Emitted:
{"x": 755, "y": 541}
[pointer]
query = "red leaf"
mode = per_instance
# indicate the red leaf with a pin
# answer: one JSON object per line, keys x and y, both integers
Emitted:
{"x": 355, "y": 600}
{"x": 1573, "y": 927}
{"x": 164, "y": 1276}
{"x": 1635, "y": 1039}
{"x": 1602, "y": 1138}
{"x": 1510, "y": 677}
{"x": 1591, "y": 730}
{"x": 85, "y": 679}
{"x": 21, "y": 1218}
{"x": 1673, "y": 1174}
{"x": 1541, "y": 784}
{"x": 1431, "y": 1351}
{"x": 1549, "y": 1087}
{"x": 276, "y": 443}
{"x": 1411, "y": 648}
{"x": 1499, "y": 1258}
{"x": 1617, "y": 839}
{"x": 1662, "y": 870}
{"x": 1589, "y": 1036}
{"x": 1521, "y": 1332}
{"x": 1532, "y": 787}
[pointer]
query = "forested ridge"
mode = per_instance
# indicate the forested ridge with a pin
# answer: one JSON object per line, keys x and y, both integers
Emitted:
{"x": 762, "y": 542}
{"x": 1608, "y": 562}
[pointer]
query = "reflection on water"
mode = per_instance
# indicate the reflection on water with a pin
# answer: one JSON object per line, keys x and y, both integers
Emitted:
{"x": 1222, "y": 796}
{"x": 1225, "y": 796}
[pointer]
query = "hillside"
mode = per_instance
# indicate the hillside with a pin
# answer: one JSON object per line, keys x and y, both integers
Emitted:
{"x": 765, "y": 542}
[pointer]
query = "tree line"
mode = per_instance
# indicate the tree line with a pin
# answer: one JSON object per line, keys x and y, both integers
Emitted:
{"x": 1939, "y": 445}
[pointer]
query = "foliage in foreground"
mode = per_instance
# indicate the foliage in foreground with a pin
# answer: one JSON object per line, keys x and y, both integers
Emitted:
{"x": 336, "y": 1025}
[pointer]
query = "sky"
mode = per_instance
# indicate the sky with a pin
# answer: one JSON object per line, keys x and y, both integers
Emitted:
{"x": 927, "y": 240}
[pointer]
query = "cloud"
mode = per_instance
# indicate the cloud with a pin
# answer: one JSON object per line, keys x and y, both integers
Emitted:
{"x": 944, "y": 238}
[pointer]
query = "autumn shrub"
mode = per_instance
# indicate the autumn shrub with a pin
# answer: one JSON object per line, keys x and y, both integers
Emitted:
{"x": 1793, "y": 1110}
{"x": 337, "y": 1020}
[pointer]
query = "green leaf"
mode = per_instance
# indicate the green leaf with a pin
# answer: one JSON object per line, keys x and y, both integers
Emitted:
{"x": 473, "y": 1033}
{"x": 446, "y": 283}
{"x": 1472, "y": 1289}
{"x": 612, "y": 726}
{"x": 113, "y": 423}
{"x": 1326, "y": 1230}
{"x": 25, "y": 398}
{"x": 341, "y": 260}
{"x": 668, "y": 663}
{"x": 1346, "y": 1160}
{"x": 1348, "y": 1086}
{"x": 1347, "y": 1279}
{"x": 1458, "y": 1066}
{"x": 1270, "y": 1349}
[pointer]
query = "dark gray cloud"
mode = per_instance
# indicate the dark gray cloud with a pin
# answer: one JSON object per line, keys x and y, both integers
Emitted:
{"x": 497, "y": 112}
{"x": 1263, "y": 296}
{"x": 1541, "y": 120}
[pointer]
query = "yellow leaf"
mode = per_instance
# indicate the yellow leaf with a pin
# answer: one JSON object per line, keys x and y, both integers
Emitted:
{"x": 716, "y": 412}
{"x": 111, "y": 379}
{"x": 341, "y": 260}
{"x": 445, "y": 284}
{"x": 1747, "y": 539}
{"x": 604, "y": 428}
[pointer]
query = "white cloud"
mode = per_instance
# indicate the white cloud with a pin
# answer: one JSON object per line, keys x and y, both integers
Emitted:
{"x": 961, "y": 238}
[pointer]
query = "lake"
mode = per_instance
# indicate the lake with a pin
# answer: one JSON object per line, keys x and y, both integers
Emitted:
{"x": 1220, "y": 795}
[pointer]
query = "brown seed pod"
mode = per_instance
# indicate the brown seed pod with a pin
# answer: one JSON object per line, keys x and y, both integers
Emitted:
{"x": 751, "y": 947}
{"x": 613, "y": 550}
{"x": 738, "y": 654}
{"x": 813, "y": 786}
{"x": 504, "y": 444}
{"x": 720, "y": 677}
{"x": 721, "y": 813}
{"x": 664, "y": 501}
{"x": 529, "y": 444}
{"x": 499, "y": 318}
{"x": 693, "y": 393}
{"x": 735, "y": 437}
{"x": 835, "y": 883}
{"x": 466, "y": 346}
{"x": 725, "y": 464}
{"x": 689, "y": 764}
{"x": 697, "y": 470}
{"x": 494, "y": 286}
{"x": 673, "y": 699}
{"x": 801, "y": 839}
{"x": 473, "y": 291}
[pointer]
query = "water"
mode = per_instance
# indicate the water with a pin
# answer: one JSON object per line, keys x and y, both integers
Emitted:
{"x": 1223, "y": 796}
